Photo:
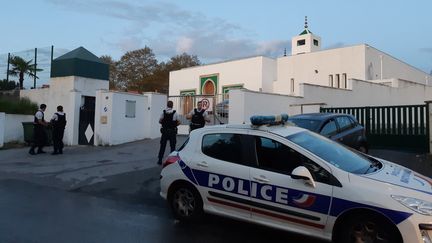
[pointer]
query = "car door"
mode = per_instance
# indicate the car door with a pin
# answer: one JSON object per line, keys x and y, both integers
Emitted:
{"x": 220, "y": 167}
{"x": 279, "y": 200}
{"x": 347, "y": 133}
{"x": 329, "y": 129}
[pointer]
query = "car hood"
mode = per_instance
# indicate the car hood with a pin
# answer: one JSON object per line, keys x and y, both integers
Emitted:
{"x": 394, "y": 174}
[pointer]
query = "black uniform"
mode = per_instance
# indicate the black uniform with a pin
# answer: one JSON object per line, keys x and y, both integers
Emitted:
{"x": 169, "y": 132}
{"x": 197, "y": 120}
{"x": 39, "y": 135}
{"x": 59, "y": 125}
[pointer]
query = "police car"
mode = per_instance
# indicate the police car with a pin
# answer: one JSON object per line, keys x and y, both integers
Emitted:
{"x": 290, "y": 178}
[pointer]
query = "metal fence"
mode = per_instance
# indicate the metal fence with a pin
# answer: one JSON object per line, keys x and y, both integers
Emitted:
{"x": 404, "y": 127}
{"x": 43, "y": 61}
{"x": 217, "y": 106}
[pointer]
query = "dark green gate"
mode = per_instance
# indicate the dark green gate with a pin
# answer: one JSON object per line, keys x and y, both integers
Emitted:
{"x": 397, "y": 127}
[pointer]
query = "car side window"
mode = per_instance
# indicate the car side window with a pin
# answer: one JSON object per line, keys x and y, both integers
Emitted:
{"x": 277, "y": 157}
{"x": 329, "y": 128}
{"x": 223, "y": 146}
{"x": 344, "y": 123}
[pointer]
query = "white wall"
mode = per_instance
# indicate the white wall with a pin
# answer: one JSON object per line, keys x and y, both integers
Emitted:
{"x": 315, "y": 67}
{"x": 247, "y": 71}
{"x": 392, "y": 68}
{"x": 121, "y": 129}
{"x": 13, "y": 127}
{"x": 156, "y": 104}
{"x": 2, "y": 128}
{"x": 68, "y": 92}
{"x": 247, "y": 103}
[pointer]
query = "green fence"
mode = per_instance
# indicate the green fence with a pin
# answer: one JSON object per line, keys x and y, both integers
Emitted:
{"x": 399, "y": 127}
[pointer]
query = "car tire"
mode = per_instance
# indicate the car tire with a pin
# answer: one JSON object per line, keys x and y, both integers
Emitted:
{"x": 367, "y": 227}
{"x": 185, "y": 202}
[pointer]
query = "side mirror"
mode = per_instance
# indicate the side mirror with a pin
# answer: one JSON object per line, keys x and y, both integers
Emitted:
{"x": 301, "y": 173}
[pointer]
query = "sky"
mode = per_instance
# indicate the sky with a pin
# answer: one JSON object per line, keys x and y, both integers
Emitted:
{"x": 213, "y": 30}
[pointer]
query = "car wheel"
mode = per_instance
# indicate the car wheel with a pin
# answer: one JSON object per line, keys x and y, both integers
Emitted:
{"x": 368, "y": 228}
{"x": 186, "y": 203}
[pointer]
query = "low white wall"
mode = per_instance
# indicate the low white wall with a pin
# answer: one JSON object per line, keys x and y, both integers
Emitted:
{"x": 2, "y": 128}
{"x": 244, "y": 103}
{"x": 13, "y": 127}
{"x": 113, "y": 127}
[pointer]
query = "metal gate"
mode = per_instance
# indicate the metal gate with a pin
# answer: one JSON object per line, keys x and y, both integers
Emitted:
{"x": 397, "y": 127}
{"x": 86, "y": 121}
{"x": 217, "y": 107}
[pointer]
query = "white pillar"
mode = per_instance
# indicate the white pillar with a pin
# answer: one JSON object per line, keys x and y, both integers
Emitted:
{"x": 72, "y": 126}
{"x": 2, "y": 128}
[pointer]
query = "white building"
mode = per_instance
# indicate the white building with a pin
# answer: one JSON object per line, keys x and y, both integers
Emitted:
{"x": 95, "y": 115}
{"x": 307, "y": 64}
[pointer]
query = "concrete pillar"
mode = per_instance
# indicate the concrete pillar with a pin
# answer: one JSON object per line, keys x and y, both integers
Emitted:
{"x": 72, "y": 126}
{"x": 429, "y": 120}
{"x": 156, "y": 104}
{"x": 2, "y": 128}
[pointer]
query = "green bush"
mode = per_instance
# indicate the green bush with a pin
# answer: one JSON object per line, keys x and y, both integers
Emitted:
{"x": 24, "y": 106}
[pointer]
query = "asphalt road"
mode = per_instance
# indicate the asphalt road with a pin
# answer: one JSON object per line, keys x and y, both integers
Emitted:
{"x": 111, "y": 194}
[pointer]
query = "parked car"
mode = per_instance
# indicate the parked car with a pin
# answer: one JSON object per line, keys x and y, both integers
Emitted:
{"x": 289, "y": 178}
{"x": 222, "y": 108}
{"x": 343, "y": 128}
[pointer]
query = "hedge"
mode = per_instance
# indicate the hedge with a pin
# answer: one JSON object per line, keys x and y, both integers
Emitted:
{"x": 24, "y": 106}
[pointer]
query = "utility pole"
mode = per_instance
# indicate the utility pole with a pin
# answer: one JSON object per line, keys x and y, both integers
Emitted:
{"x": 35, "y": 67}
{"x": 7, "y": 71}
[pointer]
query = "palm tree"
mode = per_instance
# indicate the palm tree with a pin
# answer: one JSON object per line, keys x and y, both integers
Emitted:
{"x": 20, "y": 67}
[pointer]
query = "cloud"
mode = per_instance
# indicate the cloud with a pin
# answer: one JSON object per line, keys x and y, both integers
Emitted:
{"x": 426, "y": 49}
{"x": 177, "y": 30}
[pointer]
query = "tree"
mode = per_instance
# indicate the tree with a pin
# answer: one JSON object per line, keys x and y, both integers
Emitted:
{"x": 21, "y": 67}
{"x": 183, "y": 61}
{"x": 160, "y": 78}
{"x": 7, "y": 85}
{"x": 113, "y": 73}
{"x": 135, "y": 68}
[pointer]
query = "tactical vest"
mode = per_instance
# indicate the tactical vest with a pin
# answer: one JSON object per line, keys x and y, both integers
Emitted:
{"x": 35, "y": 120}
{"x": 61, "y": 121}
{"x": 167, "y": 120}
{"x": 198, "y": 117}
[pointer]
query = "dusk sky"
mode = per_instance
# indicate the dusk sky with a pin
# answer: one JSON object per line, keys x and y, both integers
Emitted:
{"x": 217, "y": 30}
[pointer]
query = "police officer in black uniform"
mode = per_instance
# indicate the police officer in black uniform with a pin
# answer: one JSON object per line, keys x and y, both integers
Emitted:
{"x": 39, "y": 135}
{"x": 169, "y": 121}
{"x": 198, "y": 117}
{"x": 58, "y": 122}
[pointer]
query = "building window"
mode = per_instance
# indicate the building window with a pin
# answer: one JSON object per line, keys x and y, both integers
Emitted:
{"x": 344, "y": 80}
{"x": 331, "y": 80}
{"x": 315, "y": 42}
{"x": 292, "y": 86}
{"x": 130, "y": 108}
{"x": 301, "y": 42}
{"x": 337, "y": 81}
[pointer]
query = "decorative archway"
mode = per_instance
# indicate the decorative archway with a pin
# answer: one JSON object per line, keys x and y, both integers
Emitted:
{"x": 208, "y": 88}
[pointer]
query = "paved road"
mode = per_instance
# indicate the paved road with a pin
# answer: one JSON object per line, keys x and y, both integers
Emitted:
{"x": 111, "y": 194}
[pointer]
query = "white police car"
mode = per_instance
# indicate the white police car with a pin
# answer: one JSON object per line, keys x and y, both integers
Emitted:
{"x": 290, "y": 178}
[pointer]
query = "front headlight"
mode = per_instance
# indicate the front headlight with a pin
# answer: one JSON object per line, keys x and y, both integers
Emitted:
{"x": 417, "y": 205}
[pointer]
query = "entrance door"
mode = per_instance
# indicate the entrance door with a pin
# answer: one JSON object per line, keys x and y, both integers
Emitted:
{"x": 86, "y": 121}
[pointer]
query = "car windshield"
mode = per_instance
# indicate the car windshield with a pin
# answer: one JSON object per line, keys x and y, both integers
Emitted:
{"x": 312, "y": 125}
{"x": 334, "y": 153}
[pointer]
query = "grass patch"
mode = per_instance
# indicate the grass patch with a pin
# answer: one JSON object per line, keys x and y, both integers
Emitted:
{"x": 24, "y": 106}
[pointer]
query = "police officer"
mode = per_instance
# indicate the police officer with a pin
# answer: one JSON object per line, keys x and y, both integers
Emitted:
{"x": 198, "y": 117}
{"x": 39, "y": 135}
{"x": 58, "y": 122}
{"x": 169, "y": 121}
